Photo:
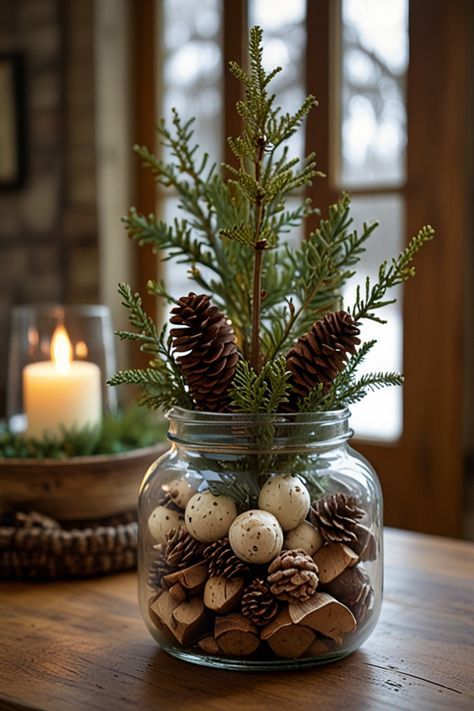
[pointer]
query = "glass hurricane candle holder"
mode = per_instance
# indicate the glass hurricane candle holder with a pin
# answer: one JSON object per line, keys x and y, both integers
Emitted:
{"x": 60, "y": 358}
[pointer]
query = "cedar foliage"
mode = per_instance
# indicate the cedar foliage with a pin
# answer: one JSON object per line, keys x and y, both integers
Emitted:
{"x": 230, "y": 236}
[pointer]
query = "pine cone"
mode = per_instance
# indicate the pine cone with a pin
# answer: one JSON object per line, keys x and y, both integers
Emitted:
{"x": 208, "y": 342}
{"x": 336, "y": 517}
{"x": 258, "y": 603}
{"x": 158, "y": 569}
{"x": 353, "y": 589}
{"x": 321, "y": 354}
{"x": 223, "y": 561}
{"x": 181, "y": 548}
{"x": 293, "y": 575}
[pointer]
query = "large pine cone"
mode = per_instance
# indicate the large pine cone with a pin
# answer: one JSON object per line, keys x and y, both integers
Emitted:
{"x": 353, "y": 589}
{"x": 258, "y": 603}
{"x": 210, "y": 357}
{"x": 336, "y": 518}
{"x": 181, "y": 548}
{"x": 223, "y": 561}
{"x": 321, "y": 354}
{"x": 293, "y": 575}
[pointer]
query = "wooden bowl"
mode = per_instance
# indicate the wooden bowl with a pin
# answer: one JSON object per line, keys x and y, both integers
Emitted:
{"x": 76, "y": 489}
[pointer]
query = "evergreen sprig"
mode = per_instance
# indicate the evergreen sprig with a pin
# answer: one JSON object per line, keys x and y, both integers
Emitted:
{"x": 229, "y": 235}
{"x": 161, "y": 382}
{"x": 119, "y": 432}
{"x": 400, "y": 270}
{"x": 263, "y": 392}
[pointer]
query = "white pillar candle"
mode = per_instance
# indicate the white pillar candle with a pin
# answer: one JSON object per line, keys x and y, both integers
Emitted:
{"x": 61, "y": 392}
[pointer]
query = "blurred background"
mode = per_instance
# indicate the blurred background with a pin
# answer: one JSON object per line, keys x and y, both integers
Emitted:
{"x": 81, "y": 81}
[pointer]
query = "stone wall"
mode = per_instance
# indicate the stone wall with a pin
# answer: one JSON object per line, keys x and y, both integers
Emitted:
{"x": 48, "y": 228}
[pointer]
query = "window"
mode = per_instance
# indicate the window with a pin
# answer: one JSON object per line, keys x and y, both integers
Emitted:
{"x": 392, "y": 127}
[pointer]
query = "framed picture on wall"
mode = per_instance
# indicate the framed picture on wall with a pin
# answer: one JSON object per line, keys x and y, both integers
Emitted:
{"x": 12, "y": 121}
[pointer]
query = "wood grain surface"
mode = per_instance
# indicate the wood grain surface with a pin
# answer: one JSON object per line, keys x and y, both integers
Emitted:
{"x": 82, "y": 645}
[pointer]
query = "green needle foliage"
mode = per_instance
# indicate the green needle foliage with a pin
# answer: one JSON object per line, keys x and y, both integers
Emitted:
{"x": 231, "y": 237}
{"x": 120, "y": 432}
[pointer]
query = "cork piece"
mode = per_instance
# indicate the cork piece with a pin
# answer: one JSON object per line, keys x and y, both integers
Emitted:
{"x": 292, "y": 641}
{"x": 192, "y": 579}
{"x": 281, "y": 620}
{"x": 321, "y": 645}
{"x": 332, "y": 560}
{"x": 236, "y": 635}
{"x": 177, "y": 592}
{"x": 209, "y": 645}
{"x": 222, "y": 594}
{"x": 188, "y": 620}
{"x": 325, "y": 614}
{"x": 161, "y": 611}
{"x": 182, "y": 620}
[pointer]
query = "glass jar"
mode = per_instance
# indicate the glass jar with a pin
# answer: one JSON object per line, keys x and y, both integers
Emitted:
{"x": 260, "y": 541}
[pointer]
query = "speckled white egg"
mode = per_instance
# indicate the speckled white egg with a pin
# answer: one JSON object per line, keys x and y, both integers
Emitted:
{"x": 256, "y": 536}
{"x": 287, "y": 498}
{"x": 162, "y": 520}
{"x": 305, "y": 536}
{"x": 180, "y": 491}
{"x": 208, "y": 517}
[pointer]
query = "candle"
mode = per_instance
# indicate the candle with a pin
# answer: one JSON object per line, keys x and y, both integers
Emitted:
{"x": 61, "y": 392}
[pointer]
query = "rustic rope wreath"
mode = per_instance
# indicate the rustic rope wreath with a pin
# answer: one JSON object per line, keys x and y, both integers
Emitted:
{"x": 37, "y": 547}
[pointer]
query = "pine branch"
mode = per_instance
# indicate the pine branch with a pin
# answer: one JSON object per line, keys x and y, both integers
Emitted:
{"x": 146, "y": 333}
{"x": 399, "y": 271}
{"x": 360, "y": 388}
{"x": 175, "y": 239}
{"x": 264, "y": 392}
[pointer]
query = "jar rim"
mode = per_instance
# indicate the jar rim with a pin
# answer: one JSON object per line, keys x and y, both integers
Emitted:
{"x": 182, "y": 414}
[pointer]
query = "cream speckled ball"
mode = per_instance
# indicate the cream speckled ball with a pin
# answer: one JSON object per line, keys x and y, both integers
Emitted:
{"x": 305, "y": 536}
{"x": 180, "y": 490}
{"x": 162, "y": 520}
{"x": 256, "y": 536}
{"x": 208, "y": 517}
{"x": 287, "y": 498}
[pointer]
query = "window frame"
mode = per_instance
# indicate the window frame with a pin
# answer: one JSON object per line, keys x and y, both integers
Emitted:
{"x": 422, "y": 473}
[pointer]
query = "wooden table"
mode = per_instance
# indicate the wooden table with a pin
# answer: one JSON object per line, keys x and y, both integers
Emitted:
{"x": 82, "y": 645}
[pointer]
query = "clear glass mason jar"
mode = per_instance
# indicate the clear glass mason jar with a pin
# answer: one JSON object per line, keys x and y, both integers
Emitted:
{"x": 260, "y": 541}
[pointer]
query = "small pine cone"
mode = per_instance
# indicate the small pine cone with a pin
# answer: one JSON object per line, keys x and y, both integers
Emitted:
{"x": 258, "y": 603}
{"x": 293, "y": 575}
{"x": 336, "y": 517}
{"x": 210, "y": 357}
{"x": 158, "y": 569}
{"x": 181, "y": 548}
{"x": 321, "y": 354}
{"x": 352, "y": 588}
{"x": 223, "y": 561}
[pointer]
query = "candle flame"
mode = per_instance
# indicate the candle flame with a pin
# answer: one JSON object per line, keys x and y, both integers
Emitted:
{"x": 61, "y": 349}
{"x": 81, "y": 350}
